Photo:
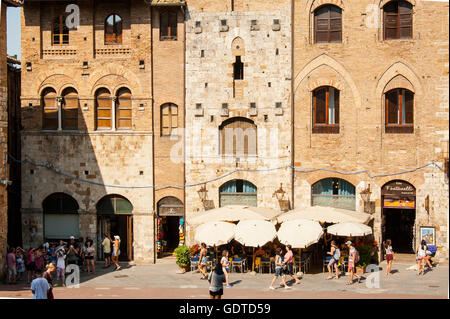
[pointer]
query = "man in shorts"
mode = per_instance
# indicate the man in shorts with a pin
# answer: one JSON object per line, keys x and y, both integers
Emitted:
{"x": 106, "y": 245}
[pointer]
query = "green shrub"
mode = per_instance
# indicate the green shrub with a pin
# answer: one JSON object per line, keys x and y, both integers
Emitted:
{"x": 364, "y": 255}
{"x": 183, "y": 256}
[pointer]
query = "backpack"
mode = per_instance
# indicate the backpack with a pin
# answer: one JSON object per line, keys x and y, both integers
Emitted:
{"x": 356, "y": 256}
{"x": 337, "y": 254}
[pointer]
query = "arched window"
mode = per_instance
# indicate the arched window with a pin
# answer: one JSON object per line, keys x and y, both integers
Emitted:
{"x": 238, "y": 69}
{"x": 333, "y": 192}
{"x": 49, "y": 109}
{"x": 328, "y": 24}
{"x": 238, "y": 137}
{"x": 70, "y": 109}
{"x": 103, "y": 108}
{"x": 123, "y": 107}
{"x": 169, "y": 119}
{"x": 168, "y": 25}
{"x": 60, "y": 32}
{"x": 113, "y": 29}
{"x": 399, "y": 111}
{"x": 114, "y": 204}
{"x": 238, "y": 192}
{"x": 60, "y": 216}
{"x": 326, "y": 110}
{"x": 397, "y": 20}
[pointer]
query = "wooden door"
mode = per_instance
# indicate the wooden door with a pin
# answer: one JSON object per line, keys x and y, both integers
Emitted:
{"x": 130, "y": 237}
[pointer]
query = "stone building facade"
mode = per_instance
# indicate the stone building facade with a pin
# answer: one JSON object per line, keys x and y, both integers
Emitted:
{"x": 4, "y": 130}
{"x": 256, "y": 100}
{"x": 303, "y": 83}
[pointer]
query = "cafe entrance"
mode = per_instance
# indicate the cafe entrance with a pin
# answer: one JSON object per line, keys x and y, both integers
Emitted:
{"x": 399, "y": 215}
{"x": 170, "y": 225}
{"x": 114, "y": 217}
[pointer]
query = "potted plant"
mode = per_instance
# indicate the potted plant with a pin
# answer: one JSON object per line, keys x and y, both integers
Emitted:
{"x": 183, "y": 260}
{"x": 364, "y": 258}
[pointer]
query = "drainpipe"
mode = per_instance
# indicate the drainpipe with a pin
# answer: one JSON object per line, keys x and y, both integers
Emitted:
{"x": 292, "y": 105}
{"x": 153, "y": 138}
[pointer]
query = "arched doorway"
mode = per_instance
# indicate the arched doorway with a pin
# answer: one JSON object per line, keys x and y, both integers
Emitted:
{"x": 399, "y": 214}
{"x": 114, "y": 217}
{"x": 170, "y": 225}
{"x": 60, "y": 217}
{"x": 238, "y": 192}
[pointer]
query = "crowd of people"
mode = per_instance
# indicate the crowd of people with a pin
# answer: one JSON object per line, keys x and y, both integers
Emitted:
{"x": 45, "y": 267}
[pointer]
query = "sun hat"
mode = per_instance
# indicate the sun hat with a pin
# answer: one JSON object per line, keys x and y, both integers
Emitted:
{"x": 348, "y": 242}
{"x": 71, "y": 237}
{"x": 116, "y": 236}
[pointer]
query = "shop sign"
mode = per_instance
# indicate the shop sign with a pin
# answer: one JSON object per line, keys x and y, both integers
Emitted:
{"x": 171, "y": 211}
{"x": 398, "y": 188}
{"x": 404, "y": 202}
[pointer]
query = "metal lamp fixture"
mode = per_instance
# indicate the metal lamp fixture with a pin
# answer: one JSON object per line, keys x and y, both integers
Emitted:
{"x": 365, "y": 194}
{"x": 202, "y": 193}
{"x": 279, "y": 193}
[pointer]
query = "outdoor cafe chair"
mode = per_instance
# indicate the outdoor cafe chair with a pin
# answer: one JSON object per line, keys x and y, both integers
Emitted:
{"x": 326, "y": 260}
{"x": 194, "y": 263}
{"x": 237, "y": 262}
{"x": 265, "y": 262}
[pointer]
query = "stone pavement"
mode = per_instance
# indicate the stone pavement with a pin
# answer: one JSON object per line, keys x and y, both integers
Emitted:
{"x": 162, "y": 280}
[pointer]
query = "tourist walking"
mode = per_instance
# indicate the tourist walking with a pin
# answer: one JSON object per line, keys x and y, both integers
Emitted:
{"x": 279, "y": 269}
{"x": 106, "y": 245}
{"x": 389, "y": 256}
{"x": 40, "y": 261}
{"x": 421, "y": 255}
{"x": 203, "y": 260}
{"x": 116, "y": 252}
{"x": 216, "y": 279}
{"x": 289, "y": 262}
{"x": 39, "y": 286}
{"x": 81, "y": 253}
{"x": 20, "y": 263}
{"x": 225, "y": 262}
{"x": 89, "y": 256}
{"x": 353, "y": 258}
{"x": 12, "y": 271}
{"x": 334, "y": 260}
{"x": 30, "y": 265}
{"x": 48, "y": 276}
{"x": 60, "y": 266}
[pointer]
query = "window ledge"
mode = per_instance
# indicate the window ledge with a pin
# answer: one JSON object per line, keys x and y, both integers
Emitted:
{"x": 325, "y": 129}
{"x": 399, "y": 129}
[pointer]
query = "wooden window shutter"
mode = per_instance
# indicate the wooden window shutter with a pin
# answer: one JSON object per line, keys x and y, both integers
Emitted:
{"x": 70, "y": 111}
{"x": 321, "y": 22}
{"x": 320, "y": 106}
{"x": 405, "y": 19}
{"x": 390, "y": 12}
{"x": 409, "y": 107}
{"x": 336, "y": 106}
{"x": 165, "y": 120}
{"x": 104, "y": 110}
{"x": 50, "y": 111}
{"x": 335, "y": 24}
{"x": 173, "y": 117}
{"x": 392, "y": 107}
{"x": 124, "y": 110}
{"x": 328, "y": 24}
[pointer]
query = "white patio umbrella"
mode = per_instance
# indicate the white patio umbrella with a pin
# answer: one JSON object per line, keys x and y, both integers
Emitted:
{"x": 233, "y": 213}
{"x": 300, "y": 233}
{"x": 326, "y": 214}
{"x": 349, "y": 229}
{"x": 254, "y": 233}
{"x": 215, "y": 233}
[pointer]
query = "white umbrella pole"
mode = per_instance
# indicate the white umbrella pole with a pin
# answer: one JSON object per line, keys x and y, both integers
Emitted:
{"x": 300, "y": 260}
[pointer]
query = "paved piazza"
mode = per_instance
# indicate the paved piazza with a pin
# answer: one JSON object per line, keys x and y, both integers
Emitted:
{"x": 161, "y": 280}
